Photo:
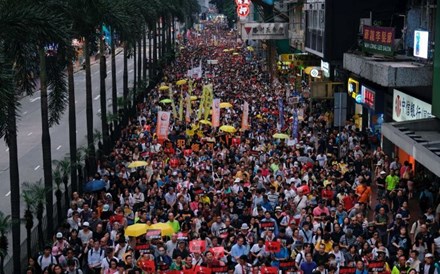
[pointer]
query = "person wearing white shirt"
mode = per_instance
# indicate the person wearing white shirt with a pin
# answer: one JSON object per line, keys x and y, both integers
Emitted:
{"x": 290, "y": 193}
{"x": 300, "y": 201}
{"x": 243, "y": 267}
{"x": 105, "y": 262}
{"x": 258, "y": 252}
{"x": 47, "y": 258}
{"x": 339, "y": 256}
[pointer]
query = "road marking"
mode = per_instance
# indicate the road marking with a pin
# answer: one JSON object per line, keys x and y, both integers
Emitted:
{"x": 35, "y": 99}
{"x": 37, "y": 167}
{"x": 97, "y": 97}
{"x": 96, "y": 72}
{"x": 99, "y": 111}
{"x": 24, "y": 113}
{"x": 131, "y": 70}
{"x": 109, "y": 71}
{"x": 30, "y": 133}
{"x": 58, "y": 148}
{"x": 76, "y": 102}
{"x": 7, "y": 194}
{"x": 119, "y": 71}
{"x": 7, "y": 149}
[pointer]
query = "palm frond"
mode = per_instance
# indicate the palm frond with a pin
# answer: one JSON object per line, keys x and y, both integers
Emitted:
{"x": 58, "y": 98}
{"x": 35, "y": 192}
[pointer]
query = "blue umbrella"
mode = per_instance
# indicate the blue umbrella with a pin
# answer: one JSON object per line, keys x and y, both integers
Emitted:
{"x": 94, "y": 185}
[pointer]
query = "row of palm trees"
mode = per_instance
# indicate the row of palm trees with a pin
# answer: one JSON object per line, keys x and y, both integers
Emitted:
{"x": 35, "y": 43}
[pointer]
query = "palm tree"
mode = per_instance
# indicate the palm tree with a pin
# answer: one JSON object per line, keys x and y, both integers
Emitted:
{"x": 5, "y": 227}
{"x": 72, "y": 121}
{"x": 23, "y": 23}
{"x": 61, "y": 175}
{"x": 29, "y": 219}
{"x": 37, "y": 191}
{"x": 57, "y": 178}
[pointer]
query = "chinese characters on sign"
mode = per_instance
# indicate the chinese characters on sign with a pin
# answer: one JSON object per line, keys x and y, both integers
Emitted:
{"x": 407, "y": 108}
{"x": 378, "y": 40}
{"x": 263, "y": 31}
{"x": 243, "y": 7}
{"x": 368, "y": 97}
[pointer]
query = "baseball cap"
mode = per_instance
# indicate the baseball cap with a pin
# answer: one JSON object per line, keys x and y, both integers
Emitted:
{"x": 278, "y": 208}
{"x": 59, "y": 235}
{"x": 429, "y": 255}
{"x": 86, "y": 224}
{"x": 244, "y": 226}
{"x": 382, "y": 173}
{"x": 398, "y": 216}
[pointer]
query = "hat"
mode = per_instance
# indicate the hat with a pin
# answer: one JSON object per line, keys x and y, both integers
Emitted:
{"x": 429, "y": 255}
{"x": 382, "y": 172}
{"x": 86, "y": 224}
{"x": 278, "y": 208}
{"x": 380, "y": 251}
{"x": 59, "y": 235}
{"x": 398, "y": 216}
{"x": 106, "y": 207}
{"x": 237, "y": 180}
{"x": 174, "y": 173}
{"x": 244, "y": 226}
{"x": 108, "y": 196}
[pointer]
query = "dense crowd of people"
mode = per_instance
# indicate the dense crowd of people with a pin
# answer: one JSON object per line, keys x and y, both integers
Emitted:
{"x": 328, "y": 201}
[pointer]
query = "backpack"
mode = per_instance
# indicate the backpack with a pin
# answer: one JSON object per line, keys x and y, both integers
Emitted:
{"x": 40, "y": 259}
{"x": 100, "y": 252}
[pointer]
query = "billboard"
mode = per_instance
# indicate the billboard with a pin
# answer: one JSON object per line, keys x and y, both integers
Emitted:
{"x": 406, "y": 107}
{"x": 378, "y": 40}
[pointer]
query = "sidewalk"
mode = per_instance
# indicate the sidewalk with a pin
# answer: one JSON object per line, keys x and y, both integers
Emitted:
{"x": 95, "y": 59}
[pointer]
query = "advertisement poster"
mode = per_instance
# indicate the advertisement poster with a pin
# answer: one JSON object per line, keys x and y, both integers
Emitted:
{"x": 216, "y": 113}
{"x": 245, "y": 117}
{"x": 163, "y": 124}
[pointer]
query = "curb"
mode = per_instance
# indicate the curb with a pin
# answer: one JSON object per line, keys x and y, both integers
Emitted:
{"x": 80, "y": 67}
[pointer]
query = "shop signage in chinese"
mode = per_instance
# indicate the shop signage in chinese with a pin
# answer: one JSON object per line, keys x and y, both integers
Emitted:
{"x": 264, "y": 31}
{"x": 243, "y": 8}
{"x": 407, "y": 108}
{"x": 378, "y": 40}
{"x": 368, "y": 97}
{"x": 353, "y": 87}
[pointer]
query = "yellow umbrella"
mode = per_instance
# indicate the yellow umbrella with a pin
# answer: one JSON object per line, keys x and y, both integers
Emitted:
{"x": 231, "y": 49}
{"x": 226, "y": 50}
{"x": 193, "y": 98}
{"x": 166, "y": 101}
{"x": 137, "y": 164}
{"x": 259, "y": 116}
{"x": 249, "y": 48}
{"x": 136, "y": 230}
{"x": 229, "y": 129}
{"x": 205, "y": 122}
{"x": 235, "y": 53}
{"x": 225, "y": 105}
{"x": 164, "y": 88}
{"x": 189, "y": 132}
{"x": 165, "y": 229}
{"x": 280, "y": 136}
{"x": 181, "y": 82}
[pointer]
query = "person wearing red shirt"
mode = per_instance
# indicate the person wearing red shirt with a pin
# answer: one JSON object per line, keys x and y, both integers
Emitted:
{"x": 328, "y": 193}
{"x": 349, "y": 201}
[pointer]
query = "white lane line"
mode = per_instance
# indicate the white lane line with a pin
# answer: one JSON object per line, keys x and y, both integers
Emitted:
{"x": 7, "y": 149}
{"x": 24, "y": 113}
{"x": 37, "y": 167}
{"x": 35, "y": 99}
{"x": 76, "y": 102}
{"x": 99, "y": 111}
{"x": 97, "y": 97}
{"x": 30, "y": 133}
{"x": 109, "y": 71}
{"x": 7, "y": 194}
{"x": 58, "y": 148}
{"x": 131, "y": 70}
{"x": 119, "y": 71}
{"x": 96, "y": 72}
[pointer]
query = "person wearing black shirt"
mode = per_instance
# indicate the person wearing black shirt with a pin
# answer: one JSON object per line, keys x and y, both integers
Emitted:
{"x": 380, "y": 183}
{"x": 320, "y": 257}
{"x": 240, "y": 203}
{"x": 181, "y": 250}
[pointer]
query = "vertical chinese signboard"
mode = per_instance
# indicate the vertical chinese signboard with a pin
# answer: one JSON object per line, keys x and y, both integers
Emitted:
{"x": 379, "y": 40}
{"x": 368, "y": 97}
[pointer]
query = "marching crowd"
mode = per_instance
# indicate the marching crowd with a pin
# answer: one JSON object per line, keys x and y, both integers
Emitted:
{"x": 331, "y": 201}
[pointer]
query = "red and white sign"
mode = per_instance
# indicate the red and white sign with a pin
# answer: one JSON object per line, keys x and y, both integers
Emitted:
{"x": 406, "y": 107}
{"x": 368, "y": 97}
{"x": 243, "y": 7}
{"x": 216, "y": 112}
{"x": 245, "y": 117}
{"x": 163, "y": 124}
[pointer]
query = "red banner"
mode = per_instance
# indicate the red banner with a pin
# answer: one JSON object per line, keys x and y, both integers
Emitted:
{"x": 153, "y": 234}
{"x": 182, "y": 236}
{"x": 273, "y": 246}
{"x": 197, "y": 246}
{"x": 202, "y": 270}
{"x": 147, "y": 265}
{"x": 347, "y": 270}
{"x": 218, "y": 252}
{"x": 269, "y": 270}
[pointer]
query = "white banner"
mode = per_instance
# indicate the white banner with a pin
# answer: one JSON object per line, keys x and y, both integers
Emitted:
{"x": 216, "y": 112}
{"x": 406, "y": 107}
{"x": 163, "y": 124}
{"x": 264, "y": 31}
{"x": 245, "y": 117}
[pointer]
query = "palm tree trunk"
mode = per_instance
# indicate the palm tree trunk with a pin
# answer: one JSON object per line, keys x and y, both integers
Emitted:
{"x": 144, "y": 54}
{"x": 2, "y": 261}
{"x": 14, "y": 180}
{"x": 66, "y": 192}
{"x": 125, "y": 80}
{"x": 72, "y": 125}
{"x": 91, "y": 168}
{"x": 155, "y": 51}
{"x": 163, "y": 39}
{"x": 45, "y": 138}
{"x": 139, "y": 64}
{"x": 58, "y": 194}
{"x": 40, "y": 227}
{"x": 29, "y": 225}
{"x": 169, "y": 30}
{"x": 150, "y": 54}
{"x": 103, "y": 75}
{"x": 174, "y": 31}
{"x": 114, "y": 87}
{"x": 135, "y": 82}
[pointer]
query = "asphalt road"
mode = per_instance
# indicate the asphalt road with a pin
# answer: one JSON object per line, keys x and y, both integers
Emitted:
{"x": 29, "y": 128}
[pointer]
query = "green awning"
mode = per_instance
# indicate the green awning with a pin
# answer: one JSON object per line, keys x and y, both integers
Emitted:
{"x": 283, "y": 46}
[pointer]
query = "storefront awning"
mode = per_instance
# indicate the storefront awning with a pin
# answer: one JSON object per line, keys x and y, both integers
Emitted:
{"x": 307, "y": 70}
{"x": 418, "y": 138}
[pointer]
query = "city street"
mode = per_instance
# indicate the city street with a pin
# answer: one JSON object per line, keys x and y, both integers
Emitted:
{"x": 29, "y": 128}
